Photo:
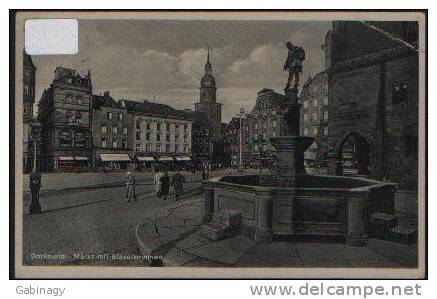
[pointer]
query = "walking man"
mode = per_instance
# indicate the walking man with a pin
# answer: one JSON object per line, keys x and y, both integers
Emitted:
{"x": 177, "y": 182}
{"x": 130, "y": 186}
{"x": 164, "y": 184}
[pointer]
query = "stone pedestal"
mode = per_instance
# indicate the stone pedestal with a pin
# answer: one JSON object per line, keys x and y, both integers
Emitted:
{"x": 289, "y": 152}
{"x": 289, "y": 149}
{"x": 357, "y": 220}
{"x": 263, "y": 231}
{"x": 209, "y": 202}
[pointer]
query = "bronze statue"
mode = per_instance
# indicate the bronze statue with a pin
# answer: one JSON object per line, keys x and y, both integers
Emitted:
{"x": 293, "y": 64}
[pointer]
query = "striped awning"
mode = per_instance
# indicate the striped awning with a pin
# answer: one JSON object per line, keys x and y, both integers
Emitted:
{"x": 81, "y": 158}
{"x": 145, "y": 159}
{"x": 165, "y": 158}
{"x": 66, "y": 158}
{"x": 183, "y": 158}
{"x": 115, "y": 158}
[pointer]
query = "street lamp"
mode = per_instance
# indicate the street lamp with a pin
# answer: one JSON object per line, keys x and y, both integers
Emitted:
{"x": 240, "y": 115}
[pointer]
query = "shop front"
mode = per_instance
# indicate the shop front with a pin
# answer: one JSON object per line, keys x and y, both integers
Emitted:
{"x": 115, "y": 161}
{"x": 145, "y": 162}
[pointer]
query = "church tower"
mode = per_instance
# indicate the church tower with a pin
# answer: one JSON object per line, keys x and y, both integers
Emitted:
{"x": 207, "y": 84}
{"x": 207, "y": 104}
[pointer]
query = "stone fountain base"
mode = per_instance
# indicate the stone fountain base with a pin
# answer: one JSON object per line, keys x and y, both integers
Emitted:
{"x": 319, "y": 205}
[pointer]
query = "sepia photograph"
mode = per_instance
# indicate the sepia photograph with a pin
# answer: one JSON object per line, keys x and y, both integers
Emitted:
{"x": 211, "y": 144}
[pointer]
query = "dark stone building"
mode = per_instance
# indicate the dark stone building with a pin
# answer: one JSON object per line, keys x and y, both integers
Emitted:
{"x": 29, "y": 73}
{"x": 314, "y": 116}
{"x": 64, "y": 115}
{"x": 212, "y": 110}
{"x": 373, "y": 98}
{"x": 201, "y": 137}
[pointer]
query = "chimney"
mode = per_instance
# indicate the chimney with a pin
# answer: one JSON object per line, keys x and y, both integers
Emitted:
{"x": 106, "y": 94}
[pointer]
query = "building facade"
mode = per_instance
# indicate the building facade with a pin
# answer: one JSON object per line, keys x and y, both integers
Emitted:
{"x": 373, "y": 98}
{"x": 64, "y": 115}
{"x": 213, "y": 110}
{"x": 314, "y": 116}
{"x": 112, "y": 140}
{"x": 160, "y": 133}
{"x": 29, "y": 74}
{"x": 262, "y": 123}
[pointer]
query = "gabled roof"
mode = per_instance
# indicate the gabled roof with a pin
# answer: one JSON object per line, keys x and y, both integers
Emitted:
{"x": 155, "y": 109}
{"x": 106, "y": 101}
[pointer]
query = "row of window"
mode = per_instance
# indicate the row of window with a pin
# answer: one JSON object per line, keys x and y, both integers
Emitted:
{"x": 314, "y": 131}
{"x": 115, "y": 143}
{"x": 256, "y": 115}
{"x": 69, "y": 139}
{"x": 71, "y": 117}
{"x": 78, "y": 99}
{"x": 315, "y": 116}
{"x": 315, "y": 102}
{"x": 158, "y": 126}
{"x": 28, "y": 90}
{"x": 114, "y": 129}
{"x": 157, "y": 137}
{"x": 158, "y": 148}
{"x": 109, "y": 116}
{"x": 28, "y": 108}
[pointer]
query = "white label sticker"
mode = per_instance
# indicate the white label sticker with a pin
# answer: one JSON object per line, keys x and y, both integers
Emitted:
{"x": 51, "y": 36}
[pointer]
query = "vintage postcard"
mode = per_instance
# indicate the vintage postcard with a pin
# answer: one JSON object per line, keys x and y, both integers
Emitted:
{"x": 230, "y": 144}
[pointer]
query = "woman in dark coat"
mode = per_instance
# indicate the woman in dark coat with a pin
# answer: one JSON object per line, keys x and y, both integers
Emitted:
{"x": 165, "y": 185}
{"x": 177, "y": 182}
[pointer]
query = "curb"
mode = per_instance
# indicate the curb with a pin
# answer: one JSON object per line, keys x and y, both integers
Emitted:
{"x": 156, "y": 244}
{"x": 108, "y": 185}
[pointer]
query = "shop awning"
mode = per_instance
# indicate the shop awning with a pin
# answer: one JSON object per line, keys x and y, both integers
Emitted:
{"x": 145, "y": 159}
{"x": 164, "y": 158}
{"x": 81, "y": 158}
{"x": 66, "y": 158}
{"x": 115, "y": 158}
{"x": 183, "y": 159}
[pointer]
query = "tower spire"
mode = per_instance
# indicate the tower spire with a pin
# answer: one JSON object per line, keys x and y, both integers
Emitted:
{"x": 208, "y": 68}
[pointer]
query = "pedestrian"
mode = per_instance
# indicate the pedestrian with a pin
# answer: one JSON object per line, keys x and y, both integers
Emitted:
{"x": 205, "y": 174}
{"x": 130, "y": 186}
{"x": 164, "y": 185}
{"x": 177, "y": 182}
{"x": 157, "y": 181}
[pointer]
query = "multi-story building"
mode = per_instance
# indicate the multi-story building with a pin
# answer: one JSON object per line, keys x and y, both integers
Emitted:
{"x": 264, "y": 122}
{"x": 373, "y": 98}
{"x": 159, "y": 131}
{"x": 64, "y": 115}
{"x": 213, "y": 110}
{"x": 314, "y": 116}
{"x": 29, "y": 73}
{"x": 111, "y": 130}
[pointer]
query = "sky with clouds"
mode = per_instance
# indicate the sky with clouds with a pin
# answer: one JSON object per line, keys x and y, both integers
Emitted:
{"x": 142, "y": 59}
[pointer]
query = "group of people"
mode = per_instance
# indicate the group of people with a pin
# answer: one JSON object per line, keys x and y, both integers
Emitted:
{"x": 162, "y": 184}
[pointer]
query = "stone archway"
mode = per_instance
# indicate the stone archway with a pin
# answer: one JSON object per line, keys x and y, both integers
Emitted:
{"x": 354, "y": 151}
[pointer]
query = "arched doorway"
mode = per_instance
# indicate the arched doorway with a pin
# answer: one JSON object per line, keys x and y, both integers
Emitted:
{"x": 354, "y": 153}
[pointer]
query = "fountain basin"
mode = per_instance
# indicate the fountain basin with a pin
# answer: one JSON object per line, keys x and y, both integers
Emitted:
{"x": 318, "y": 204}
